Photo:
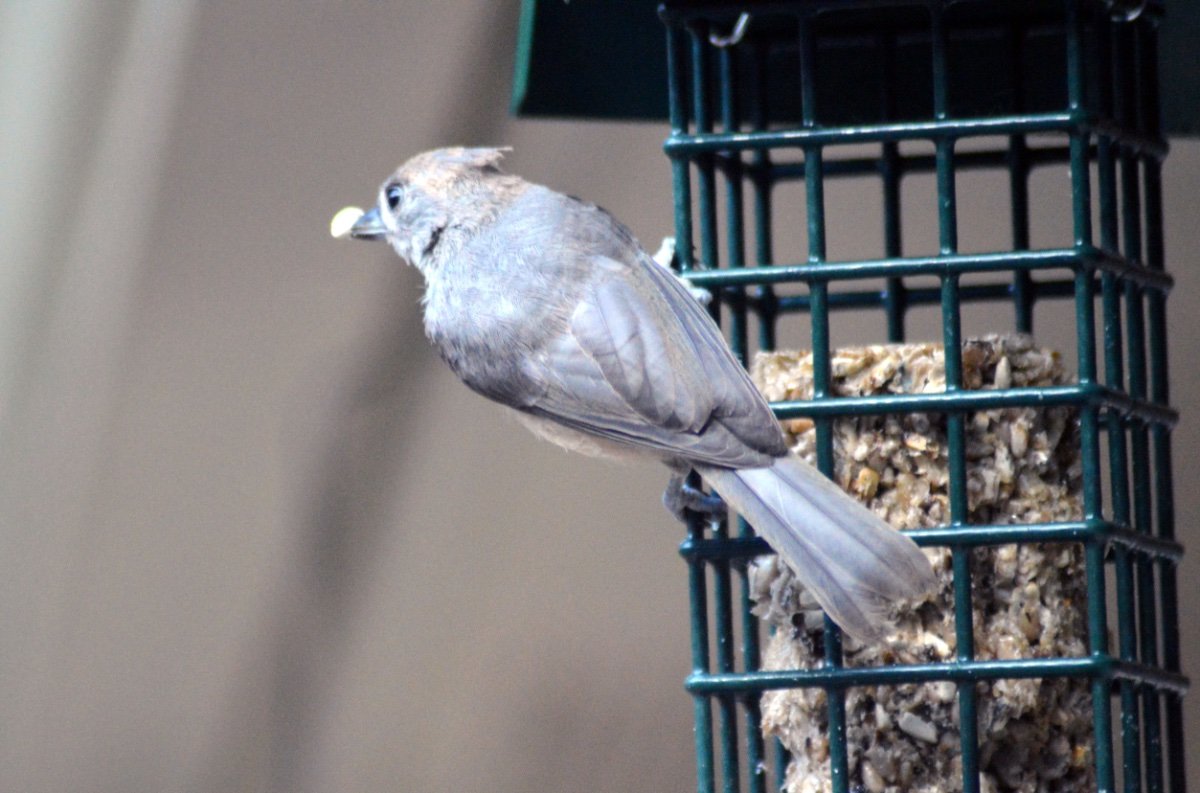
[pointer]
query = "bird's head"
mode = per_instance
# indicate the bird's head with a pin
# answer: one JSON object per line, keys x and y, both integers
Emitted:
{"x": 430, "y": 193}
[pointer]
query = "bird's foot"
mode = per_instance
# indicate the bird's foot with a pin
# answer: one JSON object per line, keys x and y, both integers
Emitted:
{"x": 665, "y": 256}
{"x": 680, "y": 498}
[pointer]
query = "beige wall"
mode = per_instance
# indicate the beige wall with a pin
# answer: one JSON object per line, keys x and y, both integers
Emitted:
{"x": 255, "y": 536}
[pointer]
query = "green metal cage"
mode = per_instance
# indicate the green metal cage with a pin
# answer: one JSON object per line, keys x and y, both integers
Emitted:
{"x": 757, "y": 101}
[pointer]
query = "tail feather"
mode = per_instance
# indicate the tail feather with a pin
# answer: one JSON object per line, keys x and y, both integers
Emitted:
{"x": 854, "y": 563}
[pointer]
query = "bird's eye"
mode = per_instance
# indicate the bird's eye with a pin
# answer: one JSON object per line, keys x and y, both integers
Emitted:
{"x": 393, "y": 196}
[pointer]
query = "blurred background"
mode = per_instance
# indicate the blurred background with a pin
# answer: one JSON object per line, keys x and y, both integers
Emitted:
{"x": 254, "y": 535}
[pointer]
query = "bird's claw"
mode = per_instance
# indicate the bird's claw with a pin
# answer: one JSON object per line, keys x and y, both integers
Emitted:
{"x": 665, "y": 256}
{"x": 680, "y": 498}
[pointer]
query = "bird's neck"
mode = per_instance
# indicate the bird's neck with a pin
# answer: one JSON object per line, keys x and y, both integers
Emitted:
{"x": 476, "y": 208}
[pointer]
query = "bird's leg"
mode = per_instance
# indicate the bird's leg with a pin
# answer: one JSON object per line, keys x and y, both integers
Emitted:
{"x": 680, "y": 497}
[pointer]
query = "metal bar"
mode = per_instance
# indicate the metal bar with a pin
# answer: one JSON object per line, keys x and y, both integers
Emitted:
{"x": 895, "y": 301}
{"x": 1164, "y": 498}
{"x": 735, "y": 244}
{"x": 1019, "y": 170}
{"x": 739, "y": 343}
{"x": 722, "y": 575}
{"x": 1119, "y": 485}
{"x": 814, "y": 186}
{"x": 1097, "y": 616}
{"x": 680, "y": 173}
{"x": 782, "y": 758}
{"x": 916, "y": 296}
{"x": 1018, "y": 187}
{"x": 1125, "y": 68}
{"x": 697, "y": 576}
{"x": 762, "y": 180}
{"x": 1082, "y": 257}
{"x": 905, "y": 164}
{"x": 1018, "y": 175}
{"x": 751, "y": 662}
{"x": 978, "y": 159}
{"x": 1114, "y": 375}
{"x": 1080, "y": 395}
{"x": 1103, "y": 531}
{"x": 1142, "y": 491}
{"x": 726, "y": 706}
{"x": 1066, "y": 122}
{"x": 1165, "y": 512}
{"x": 701, "y": 711}
{"x": 1148, "y": 616}
{"x": 706, "y": 182}
{"x": 875, "y": 133}
{"x": 964, "y": 631}
{"x": 1103, "y": 669}
{"x": 974, "y": 293}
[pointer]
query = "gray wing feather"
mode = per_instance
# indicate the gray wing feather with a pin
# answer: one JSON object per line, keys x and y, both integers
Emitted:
{"x": 575, "y": 391}
{"x": 638, "y": 350}
{"x": 740, "y": 405}
{"x": 640, "y": 362}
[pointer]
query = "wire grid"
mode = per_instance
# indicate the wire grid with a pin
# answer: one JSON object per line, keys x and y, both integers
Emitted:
{"x": 1106, "y": 110}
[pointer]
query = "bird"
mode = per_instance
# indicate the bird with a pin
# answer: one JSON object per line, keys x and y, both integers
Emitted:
{"x": 548, "y": 305}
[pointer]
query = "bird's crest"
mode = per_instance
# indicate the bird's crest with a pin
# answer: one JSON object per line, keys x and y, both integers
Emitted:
{"x": 478, "y": 157}
{"x": 439, "y": 170}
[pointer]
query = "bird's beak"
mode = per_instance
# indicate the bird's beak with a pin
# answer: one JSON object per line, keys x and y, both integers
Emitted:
{"x": 368, "y": 227}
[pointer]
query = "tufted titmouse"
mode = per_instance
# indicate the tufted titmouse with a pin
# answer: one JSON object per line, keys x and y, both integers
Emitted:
{"x": 548, "y": 305}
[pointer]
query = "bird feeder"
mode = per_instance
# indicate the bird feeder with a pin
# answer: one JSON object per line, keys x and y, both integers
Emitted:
{"x": 1031, "y": 457}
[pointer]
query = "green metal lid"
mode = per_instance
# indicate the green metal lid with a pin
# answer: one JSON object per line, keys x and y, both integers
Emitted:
{"x": 608, "y": 61}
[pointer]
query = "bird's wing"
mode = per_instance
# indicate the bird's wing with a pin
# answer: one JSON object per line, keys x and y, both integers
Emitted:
{"x": 740, "y": 405}
{"x": 642, "y": 353}
{"x": 633, "y": 365}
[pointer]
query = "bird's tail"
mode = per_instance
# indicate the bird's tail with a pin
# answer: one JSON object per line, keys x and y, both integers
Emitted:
{"x": 853, "y": 562}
